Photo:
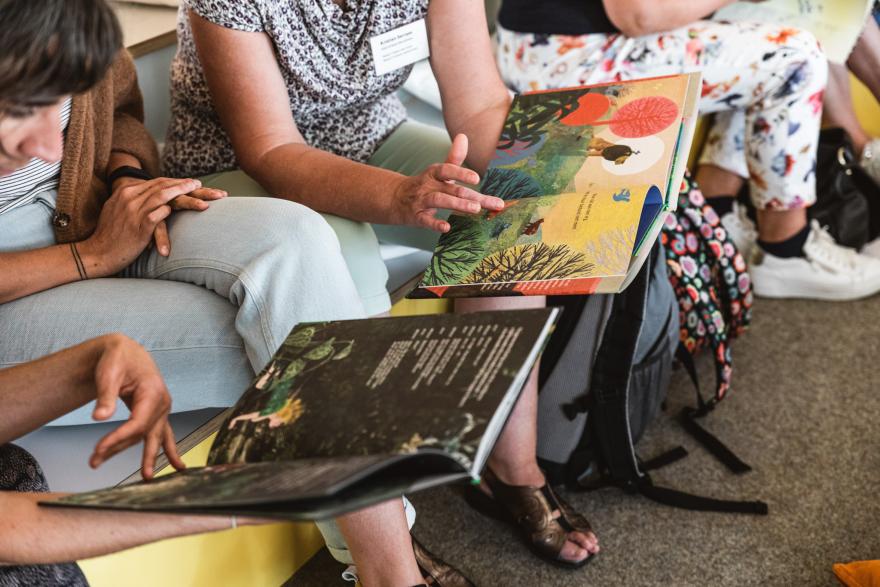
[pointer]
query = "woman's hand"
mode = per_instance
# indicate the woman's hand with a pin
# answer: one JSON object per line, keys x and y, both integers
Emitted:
{"x": 126, "y": 371}
{"x": 418, "y": 198}
{"x": 134, "y": 215}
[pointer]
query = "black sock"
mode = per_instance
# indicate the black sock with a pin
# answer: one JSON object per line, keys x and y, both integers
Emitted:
{"x": 790, "y": 247}
{"x": 721, "y": 204}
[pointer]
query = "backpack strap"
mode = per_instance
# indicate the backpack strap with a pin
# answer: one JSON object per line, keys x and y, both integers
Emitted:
{"x": 611, "y": 379}
{"x": 610, "y": 411}
{"x": 689, "y": 417}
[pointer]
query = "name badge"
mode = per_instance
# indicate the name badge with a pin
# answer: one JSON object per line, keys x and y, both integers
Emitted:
{"x": 400, "y": 47}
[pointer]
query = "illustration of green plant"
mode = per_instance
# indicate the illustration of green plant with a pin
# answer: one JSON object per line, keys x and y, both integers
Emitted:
{"x": 532, "y": 113}
{"x": 274, "y": 400}
{"x": 510, "y": 184}
{"x": 531, "y": 262}
{"x": 457, "y": 252}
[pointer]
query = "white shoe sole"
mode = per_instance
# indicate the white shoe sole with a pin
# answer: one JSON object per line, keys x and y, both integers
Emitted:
{"x": 770, "y": 286}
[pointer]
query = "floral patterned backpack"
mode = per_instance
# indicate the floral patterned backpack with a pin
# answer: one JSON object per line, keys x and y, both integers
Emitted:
{"x": 715, "y": 299}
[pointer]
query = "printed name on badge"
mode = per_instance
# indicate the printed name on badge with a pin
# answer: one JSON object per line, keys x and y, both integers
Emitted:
{"x": 400, "y": 47}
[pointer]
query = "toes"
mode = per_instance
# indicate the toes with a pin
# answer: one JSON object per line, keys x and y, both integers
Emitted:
{"x": 573, "y": 553}
{"x": 587, "y": 541}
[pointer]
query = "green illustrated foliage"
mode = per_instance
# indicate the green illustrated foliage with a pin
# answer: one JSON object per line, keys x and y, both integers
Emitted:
{"x": 457, "y": 252}
{"x": 258, "y": 431}
{"x": 531, "y": 262}
{"x": 510, "y": 184}
{"x": 531, "y": 114}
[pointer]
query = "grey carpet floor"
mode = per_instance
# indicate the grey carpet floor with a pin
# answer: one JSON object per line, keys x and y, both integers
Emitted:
{"x": 804, "y": 412}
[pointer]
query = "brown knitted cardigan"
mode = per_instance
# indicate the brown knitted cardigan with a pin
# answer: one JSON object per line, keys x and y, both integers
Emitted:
{"x": 108, "y": 118}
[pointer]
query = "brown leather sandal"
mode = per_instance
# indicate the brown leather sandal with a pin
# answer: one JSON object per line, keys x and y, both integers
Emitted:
{"x": 544, "y": 518}
{"x": 435, "y": 571}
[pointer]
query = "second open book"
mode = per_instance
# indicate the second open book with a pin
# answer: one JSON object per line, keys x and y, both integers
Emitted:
{"x": 351, "y": 413}
{"x": 589, "y": 175}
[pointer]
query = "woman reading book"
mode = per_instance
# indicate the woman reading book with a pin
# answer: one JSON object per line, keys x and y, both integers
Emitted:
{"x": 297, "y": 100}
{"x": 91, "y": 243}
{"x": 767, "y": 79}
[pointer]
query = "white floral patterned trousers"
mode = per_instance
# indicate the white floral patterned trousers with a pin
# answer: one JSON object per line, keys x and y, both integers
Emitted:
{"x": 764, "y": 82}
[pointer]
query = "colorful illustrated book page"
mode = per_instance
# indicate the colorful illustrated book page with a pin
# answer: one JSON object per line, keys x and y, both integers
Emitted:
{"x": 837, "y": 24}
{"x": 588, "y": 175}
{"x": 351, "y": 413}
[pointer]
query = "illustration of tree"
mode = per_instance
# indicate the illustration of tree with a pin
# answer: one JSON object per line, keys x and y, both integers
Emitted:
{"x": 531, "y": 113}
{"x": 510, "y": 184}
{"x": 277, "y": 404}
{"x": 643, "y": 117}
{"x": 531, "y": 262}
{"x": 612, "y": 251}
{"x": 457, "y": 252}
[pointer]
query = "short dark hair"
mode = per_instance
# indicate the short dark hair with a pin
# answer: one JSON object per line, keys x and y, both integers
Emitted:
{"x": 51, "y": 48}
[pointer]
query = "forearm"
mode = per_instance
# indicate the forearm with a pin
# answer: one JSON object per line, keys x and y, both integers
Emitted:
{"x": 32, "y": 394}
{"x": 27, "y": 272}
{"x": 865, "y": 59}
{"x": 482, "y": 130}
{"x": 31, "y": 534}
{"x": 326, "y": 182}
{"x": 635, "y": 18}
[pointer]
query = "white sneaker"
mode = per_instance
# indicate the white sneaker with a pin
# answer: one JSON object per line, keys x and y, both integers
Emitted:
{"x": 872, "y": 249}
{"x": 741, "y": 229}
{"x": 827, "y": 271}
{"x": 870, "y": 160}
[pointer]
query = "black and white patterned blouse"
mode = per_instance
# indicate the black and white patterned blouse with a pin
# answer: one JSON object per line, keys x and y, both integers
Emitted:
{"x": 338, "y": 101}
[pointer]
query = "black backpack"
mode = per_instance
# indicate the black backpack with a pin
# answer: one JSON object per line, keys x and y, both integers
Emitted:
{"x": 604, "y": 378}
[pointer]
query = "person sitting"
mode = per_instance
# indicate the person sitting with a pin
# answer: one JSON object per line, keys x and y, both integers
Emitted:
{"x": 864, "y": 63}
{"x": 764, "y": 78}
{"x": 284, "y": 99}
{"x": 91, "y": 243}
{"x": 36, "y": 543}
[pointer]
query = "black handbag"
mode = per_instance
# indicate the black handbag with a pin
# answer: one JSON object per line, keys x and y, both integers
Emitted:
{"x": 847, "y": 198}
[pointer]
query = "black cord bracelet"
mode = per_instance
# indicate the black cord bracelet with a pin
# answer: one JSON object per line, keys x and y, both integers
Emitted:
{"x": 127, "y": 171}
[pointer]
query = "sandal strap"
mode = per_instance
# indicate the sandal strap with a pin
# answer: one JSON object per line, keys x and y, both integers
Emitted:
{"x": 435, "y": 571}
{"x": 569, "y": 517}
{"x": 533, "y": 513}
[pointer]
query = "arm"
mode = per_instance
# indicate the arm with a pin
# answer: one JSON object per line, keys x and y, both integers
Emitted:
{"x": 104, "y": 369}
{"x": 475, "y": 100}
{"x": 251, "y": 99}
{"x": 635, "y": 18}
{"x": 30, "y": 534}
{"x": 864, "y": 61}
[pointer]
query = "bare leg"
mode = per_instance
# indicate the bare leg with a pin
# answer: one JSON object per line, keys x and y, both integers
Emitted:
{"x": 839, "y": 111}
{"x": 715, "y": 181}
{"x": 773, "y": 225}
{"x": 514, "y": 459}
{"x": 864, "y": 61}
{"x": 381, "y": 546}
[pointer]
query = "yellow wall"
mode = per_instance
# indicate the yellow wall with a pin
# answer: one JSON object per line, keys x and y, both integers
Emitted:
{"x": 867, "y": 108}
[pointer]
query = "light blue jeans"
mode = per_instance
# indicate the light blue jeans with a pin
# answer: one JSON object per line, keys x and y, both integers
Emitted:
{"x": 240, "y": 275}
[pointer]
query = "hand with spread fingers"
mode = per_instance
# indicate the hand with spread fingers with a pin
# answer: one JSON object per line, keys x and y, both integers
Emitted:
{"x": 126, "y": 371}
{"x": 418, "y": 198}
{"x": 134, "y": 216}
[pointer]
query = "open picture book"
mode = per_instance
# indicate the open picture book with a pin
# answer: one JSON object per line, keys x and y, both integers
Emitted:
{"x": 351, "y": 413}
{"x": 588, "y": 175}
{"x": 837, "y": 24}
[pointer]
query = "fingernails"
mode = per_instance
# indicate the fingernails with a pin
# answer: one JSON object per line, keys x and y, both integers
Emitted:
{"x": 164, "y": 251}
{"x": 473, "y": 207}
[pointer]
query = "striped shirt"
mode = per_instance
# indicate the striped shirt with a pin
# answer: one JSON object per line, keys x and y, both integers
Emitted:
{"x": 22, "y": 185}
